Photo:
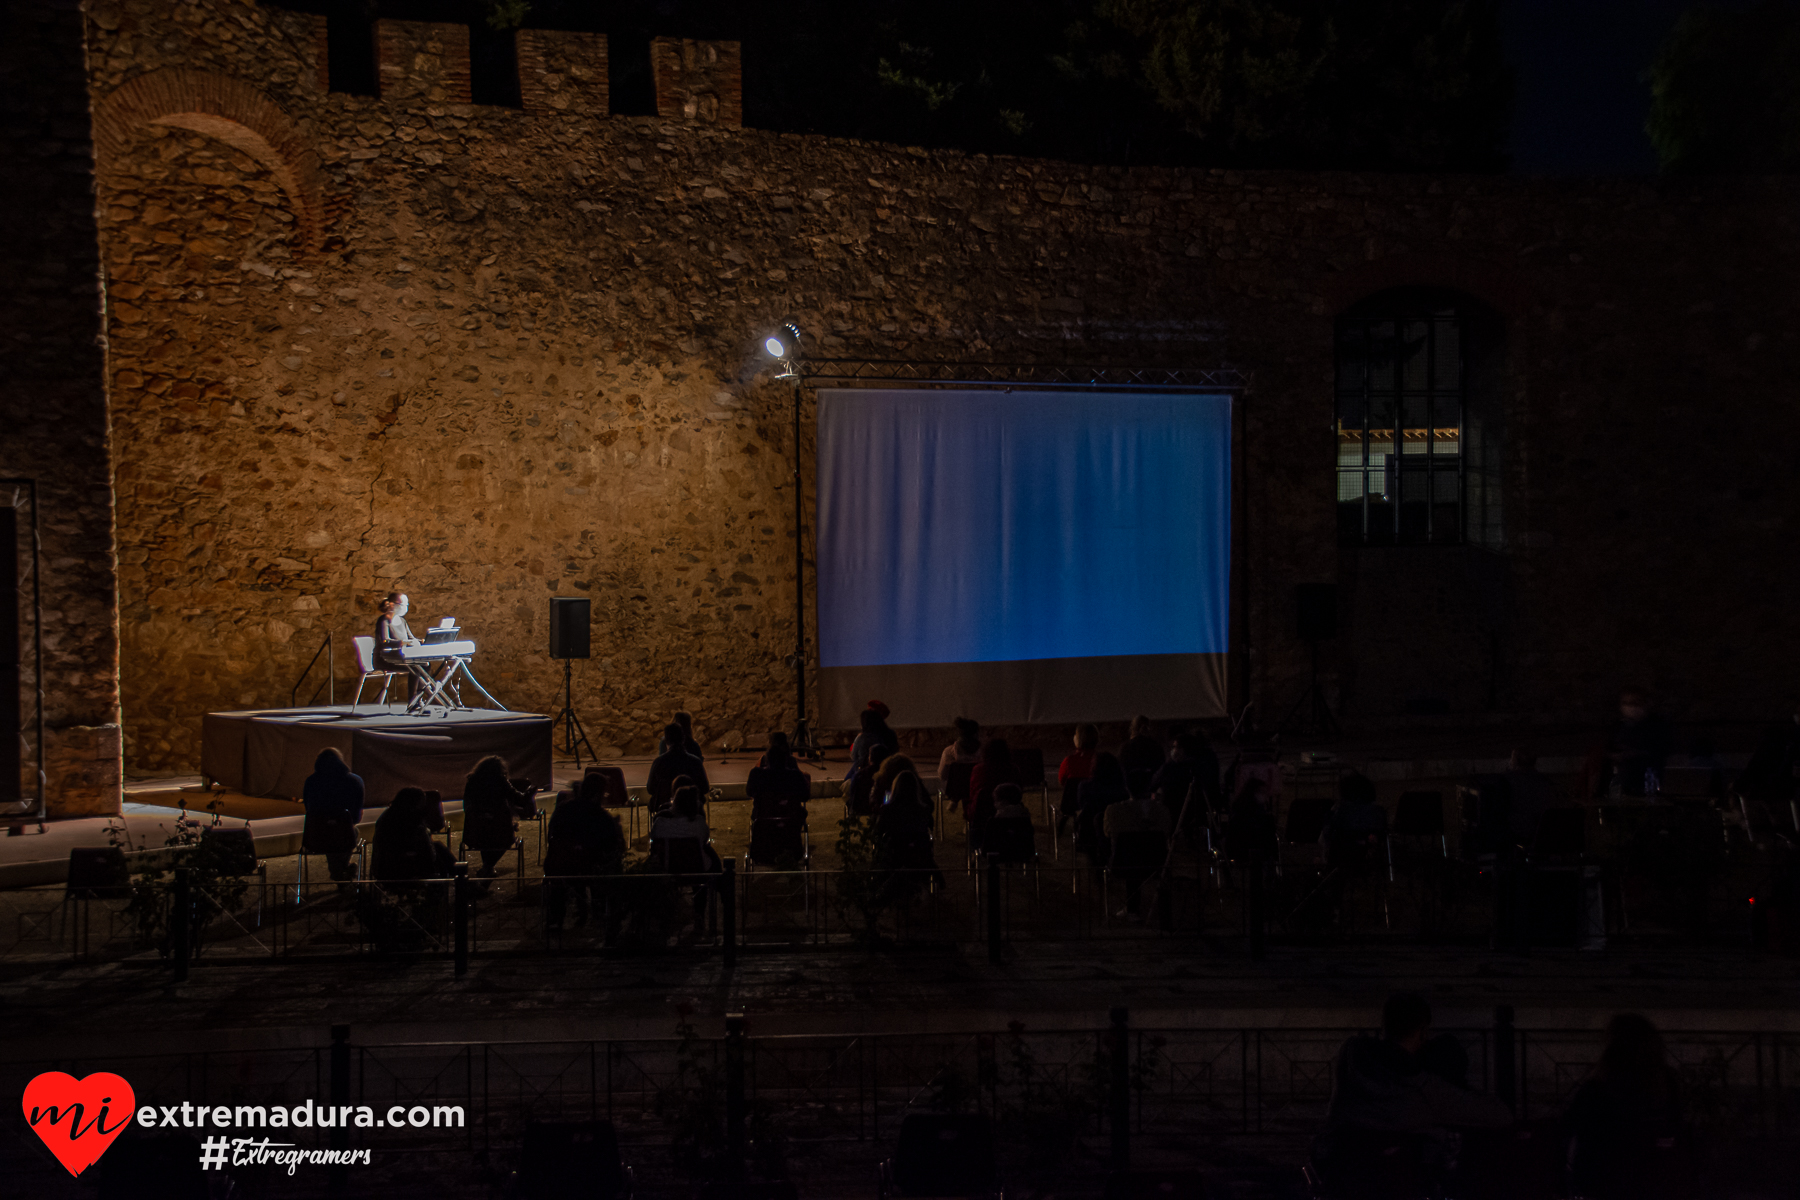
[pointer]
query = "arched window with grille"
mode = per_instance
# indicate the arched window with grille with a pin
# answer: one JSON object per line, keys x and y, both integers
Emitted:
{"x": 1402, "y": 394}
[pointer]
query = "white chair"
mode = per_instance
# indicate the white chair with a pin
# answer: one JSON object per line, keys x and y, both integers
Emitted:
{"x": 365, "y": 662}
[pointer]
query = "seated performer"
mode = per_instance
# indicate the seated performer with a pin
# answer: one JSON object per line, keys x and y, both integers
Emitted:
{"x": 392, "y": 633}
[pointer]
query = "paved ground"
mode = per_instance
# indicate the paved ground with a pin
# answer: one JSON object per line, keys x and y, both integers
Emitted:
{"x": 1176, "y": 982}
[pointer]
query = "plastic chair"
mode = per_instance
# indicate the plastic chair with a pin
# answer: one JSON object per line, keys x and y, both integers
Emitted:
{"x": 614, "y": 794}
{"x": 236, "y": 850}
{"x": 364, "y": 648}
{"x": 954, "y": 786}
{"x": 778, "y": 840}
{"x": 1011, "y": 840}
{"x": 1028, "y": 769}
{"x": 686, "y": 859}
{"x": 1691, "y": 783}
{"x": 1306, "y": 818}
{"x": 95, "y": 873}
{"x": 941, "y": 1155}
{"x": 1138, "y": 852}
{"x": 312, "y": 838}
{"x": 1420, "y": 814}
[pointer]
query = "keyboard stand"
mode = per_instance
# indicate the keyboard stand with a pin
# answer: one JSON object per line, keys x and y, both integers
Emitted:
{"x": 440, "y": 691}
{"x": 462, "y": 666}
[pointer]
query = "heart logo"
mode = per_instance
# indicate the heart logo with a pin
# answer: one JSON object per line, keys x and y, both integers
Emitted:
{"x": 78, "y": 1118}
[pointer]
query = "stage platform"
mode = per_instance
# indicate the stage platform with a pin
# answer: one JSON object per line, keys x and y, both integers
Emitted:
{"x": 270, "y": 752}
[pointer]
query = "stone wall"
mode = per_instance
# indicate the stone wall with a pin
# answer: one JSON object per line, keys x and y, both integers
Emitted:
{"x": 520, "y": 360}
{"x": 563, "y": 72}
{"x": 698, "y": 81}
{"x": 53, "y": 419}
{"x": 420, "y": 61}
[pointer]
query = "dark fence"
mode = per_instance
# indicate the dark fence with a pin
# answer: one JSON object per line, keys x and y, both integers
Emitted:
{"x": 195, "y": 918}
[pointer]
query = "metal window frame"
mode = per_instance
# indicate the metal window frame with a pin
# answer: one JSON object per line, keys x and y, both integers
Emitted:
{"x": 1398, "y": 315}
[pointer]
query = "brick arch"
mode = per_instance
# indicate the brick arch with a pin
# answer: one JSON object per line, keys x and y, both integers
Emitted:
{"x": 1497, "y": 287}
{"x": 230, "y": 111}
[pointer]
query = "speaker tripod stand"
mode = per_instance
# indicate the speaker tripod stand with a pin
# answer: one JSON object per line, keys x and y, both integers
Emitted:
{"x": 574, "y": 736}
{"x": 1319, "y": 721}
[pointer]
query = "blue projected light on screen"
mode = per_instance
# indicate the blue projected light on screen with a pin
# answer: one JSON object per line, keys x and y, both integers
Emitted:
{"x": 992, "y": 527}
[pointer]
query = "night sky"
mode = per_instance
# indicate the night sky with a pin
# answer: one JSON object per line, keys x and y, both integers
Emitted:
{"x": 1582, "y": 93}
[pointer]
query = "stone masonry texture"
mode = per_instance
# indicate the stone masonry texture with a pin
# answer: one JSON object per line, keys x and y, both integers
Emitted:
{"x": 490, "y": 356}
{"x": 53, "y": 418}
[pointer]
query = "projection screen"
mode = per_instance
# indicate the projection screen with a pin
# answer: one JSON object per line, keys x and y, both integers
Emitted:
{"x": 1023, "y": 557}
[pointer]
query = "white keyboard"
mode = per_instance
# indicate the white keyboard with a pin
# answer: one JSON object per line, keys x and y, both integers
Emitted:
{"x": 441, "y": 650}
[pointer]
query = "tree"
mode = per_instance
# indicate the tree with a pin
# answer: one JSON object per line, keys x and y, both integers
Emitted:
{"x": 1358, "y": 84}
{"x": 1384, "y": 84}
{"x": 1725, "y": 91}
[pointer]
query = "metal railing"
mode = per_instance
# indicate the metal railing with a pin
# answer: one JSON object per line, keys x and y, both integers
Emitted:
{"x": 328, "y": 685}
{"x": 726, "y": 912}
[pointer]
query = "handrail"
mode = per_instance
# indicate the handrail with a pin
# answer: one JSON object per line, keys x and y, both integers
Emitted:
{"x": 329, "y": 687}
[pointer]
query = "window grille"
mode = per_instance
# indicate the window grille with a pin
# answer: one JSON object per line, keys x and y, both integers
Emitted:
{"x": 1400, "y": 422}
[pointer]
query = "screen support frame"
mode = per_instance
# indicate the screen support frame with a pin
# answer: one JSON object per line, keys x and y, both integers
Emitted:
{"x": 811, "y": 373}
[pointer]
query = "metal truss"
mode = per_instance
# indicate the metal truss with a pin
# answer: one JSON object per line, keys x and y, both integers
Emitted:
{"x": 1031, "y": 375}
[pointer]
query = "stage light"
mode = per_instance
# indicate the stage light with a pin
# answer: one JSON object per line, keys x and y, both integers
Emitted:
{"x": 784, "y": 343}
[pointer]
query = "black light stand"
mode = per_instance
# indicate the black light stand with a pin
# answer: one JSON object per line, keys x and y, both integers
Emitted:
{"x": 785, "y": 347}
{"x": 1319, "y": 720}
{"x": 574, "y": 736}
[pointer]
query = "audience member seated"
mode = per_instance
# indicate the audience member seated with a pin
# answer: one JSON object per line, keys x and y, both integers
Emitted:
{"x": 682, "y": 819}
{"x": 1136, "y": 828}
{"x": 493, "y": 805}
{"x": 965, "y": 749}
{"x": 1250, "y": 828}
{"x": 1637, "y": 750}
{"x": 1623, "y": 1114}
{"x": 404, "y": 849}
{"x": 1141, "y": 756}
{"x": 1356, "y": 826}
{"x": 672, "y": 764}
{"x": 892, "y": 768}
{"x": 875, "y": 732}
{"x": 334, "y": 804}
{"x": 1105, "y": 788}
{"x": 1773, "y": 772}
{"x": 1389, "y": 1129}
{"x": 684, "y": 719}
{"x": 1529, "y": 795}
{"x": 679, "y": 845}
{"x": 1009, "y": 834}
{"x": 1190, "y": 777}
{"x": 777, "y": 787}
{"x": 995, "y": 768}
{"x": 1075, "y": 769}
{"x": 903, "y": 828}
{"x": 859, "y": 791}
{"x": 583, "y": 840}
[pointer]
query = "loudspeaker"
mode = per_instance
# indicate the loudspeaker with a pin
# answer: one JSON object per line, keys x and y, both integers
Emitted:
{"x": 1315, "y": 611}
{"x": 568, "y": 627}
